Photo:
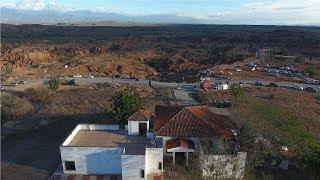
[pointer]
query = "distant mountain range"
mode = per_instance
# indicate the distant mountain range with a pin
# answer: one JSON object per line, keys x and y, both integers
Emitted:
{"x": 13, "y": 16}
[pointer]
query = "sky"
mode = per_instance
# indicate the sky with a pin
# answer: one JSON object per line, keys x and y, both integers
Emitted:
{"x": 276, "y": 12}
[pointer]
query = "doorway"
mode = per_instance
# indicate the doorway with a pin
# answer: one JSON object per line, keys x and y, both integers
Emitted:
{"x": 143, "y": 128}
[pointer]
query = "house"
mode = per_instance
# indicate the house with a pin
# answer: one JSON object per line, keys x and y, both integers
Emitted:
{"x": 205, "y": 84}
{"x": 222, "y": 86}
{"x": 142, "y": 151}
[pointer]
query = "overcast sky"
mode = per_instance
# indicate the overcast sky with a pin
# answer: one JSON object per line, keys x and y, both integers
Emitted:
{"x": 211, "y": 11}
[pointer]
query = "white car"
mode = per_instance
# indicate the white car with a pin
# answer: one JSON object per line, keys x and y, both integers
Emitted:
{"x": 90, "y": 76}
{"x": 125, "y": 77}
{"x": 77, "y": 76}
{"x": 298, "y": 87}
{"x": 2, "y": 88}
{"x": 238, "y": 70}
{"x": 23, "y": 82}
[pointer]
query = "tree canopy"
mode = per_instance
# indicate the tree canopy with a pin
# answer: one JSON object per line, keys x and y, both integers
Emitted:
{"x": 125, "y": 103}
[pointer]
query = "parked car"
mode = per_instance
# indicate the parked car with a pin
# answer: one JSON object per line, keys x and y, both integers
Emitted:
{"x": 23, "y": 82}
{"x": 258, "y": 83}
{"x": 298, "y": 87}
{"x": 273, "y": 84}
{"x": 313, "y": 82}
{"x": 311, "y": 89}
{"x": 14, "y": 84}
{"x": 2, "y": 88}
{"x": 90, "y": 76}
{"x": 71, "y": 82}
{"x": 222, "y": 104}
{"x": 77, "y": 76}
{"x": 125, "y": 77}
{"x": 179, "y": 88}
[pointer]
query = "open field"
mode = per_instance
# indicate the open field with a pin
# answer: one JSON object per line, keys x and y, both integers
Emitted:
{"x": 166, "y": 53}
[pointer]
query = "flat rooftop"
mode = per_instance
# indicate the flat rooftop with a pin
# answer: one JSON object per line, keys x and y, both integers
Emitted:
{"x": 96, "y": 138}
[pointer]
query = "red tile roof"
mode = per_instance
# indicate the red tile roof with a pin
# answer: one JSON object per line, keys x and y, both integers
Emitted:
{"x": 180, "y": 142}
{"x": 194, "y": 121}
{"x": 141, "y": 115}
{"x": 163, "y": 113}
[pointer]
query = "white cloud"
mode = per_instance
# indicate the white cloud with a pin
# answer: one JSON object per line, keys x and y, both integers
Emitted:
{"x": 271, "y": 12}
{"x": 36, "y": 5}
{"x": 108, "y": 10}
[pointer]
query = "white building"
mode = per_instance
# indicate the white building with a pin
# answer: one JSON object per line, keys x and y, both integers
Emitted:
{"x": 222, "y": 86}
{"x": 178, "y": 132}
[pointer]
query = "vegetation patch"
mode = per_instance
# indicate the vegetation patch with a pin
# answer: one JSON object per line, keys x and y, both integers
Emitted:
{"x": 272, "y": 120}
{"x": 13, "y": 107}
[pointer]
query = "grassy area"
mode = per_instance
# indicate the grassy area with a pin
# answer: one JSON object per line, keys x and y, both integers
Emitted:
{"x": 13, "y": 107}
{"x": 269, "y": 119}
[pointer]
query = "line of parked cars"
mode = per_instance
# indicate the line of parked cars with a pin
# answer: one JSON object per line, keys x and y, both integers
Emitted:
{"x": 15, "y": 83}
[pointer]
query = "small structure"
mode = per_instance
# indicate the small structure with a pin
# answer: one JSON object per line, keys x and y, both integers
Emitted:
{"x": 205, "y": 84}
{"x": 222, "y": 86}
{"x": 138, "y": 123}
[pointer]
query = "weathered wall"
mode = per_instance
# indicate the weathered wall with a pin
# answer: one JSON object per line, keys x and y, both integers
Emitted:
{"x": 223, "y": 166}
{"x": 154, "y": 156}
{"x": 92, "y": 160}
{"x": 132, "y": 166}
{"x": 166, "y": 138}
{"x": 133, "y": 127}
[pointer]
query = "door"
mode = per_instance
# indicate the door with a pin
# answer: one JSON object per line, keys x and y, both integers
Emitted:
{"x": 143, "y": 128}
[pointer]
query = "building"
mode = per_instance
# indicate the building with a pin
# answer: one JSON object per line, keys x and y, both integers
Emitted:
{"x": 142, "y": 151}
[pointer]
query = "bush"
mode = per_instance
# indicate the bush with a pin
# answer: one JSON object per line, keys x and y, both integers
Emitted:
{"x": 313, "y": 72}
{"x": 13, "y": 107}
{"x": 54, "y": 83}
{"x": 125, "y": 103}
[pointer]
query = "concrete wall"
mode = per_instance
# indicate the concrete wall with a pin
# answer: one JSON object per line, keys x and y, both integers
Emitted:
{"x": 132, "y": 166}
{"x": 133, "y": 127}
{"x": 154, "y": 156}
{"x": 92, "y": 160}
{"x": 223, "y": 166}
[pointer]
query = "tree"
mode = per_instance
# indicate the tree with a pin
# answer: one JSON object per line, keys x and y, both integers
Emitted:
{"x": 54, "y": 83}
{"x": 236, "y": 91}
{"x": 125, "y": 103}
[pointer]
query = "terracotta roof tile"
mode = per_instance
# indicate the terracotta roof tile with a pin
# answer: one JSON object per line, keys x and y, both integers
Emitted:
{"x": 163, "y": 113}
{"x": 141, "y": 115}
{"x": 195, "y": 121}
{"x": 180, "y": 142}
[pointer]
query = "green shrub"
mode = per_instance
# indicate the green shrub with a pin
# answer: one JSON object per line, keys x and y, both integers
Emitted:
{"x": 54, "y": 83}
{"x": 13, "y": 107}
{"x": 313, "y": 72}
{"x": 125, "y": 103}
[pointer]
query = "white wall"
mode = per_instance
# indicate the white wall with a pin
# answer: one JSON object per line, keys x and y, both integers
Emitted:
{"x": 92, "y": 160}
{"x": 132, "y": 166}
{"x": 133, "y": 127}
{"x": 154, "y": 156}
{"x": 223, "y": 166}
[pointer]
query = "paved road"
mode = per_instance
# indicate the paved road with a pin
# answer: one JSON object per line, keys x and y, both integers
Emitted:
{"x": 96, "y": 80}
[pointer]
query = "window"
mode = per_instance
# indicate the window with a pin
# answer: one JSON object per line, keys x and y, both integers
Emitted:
{"x": 142, "y": 173}
{"x": 160, "y": 166}
{"x": 70, "y": 165}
